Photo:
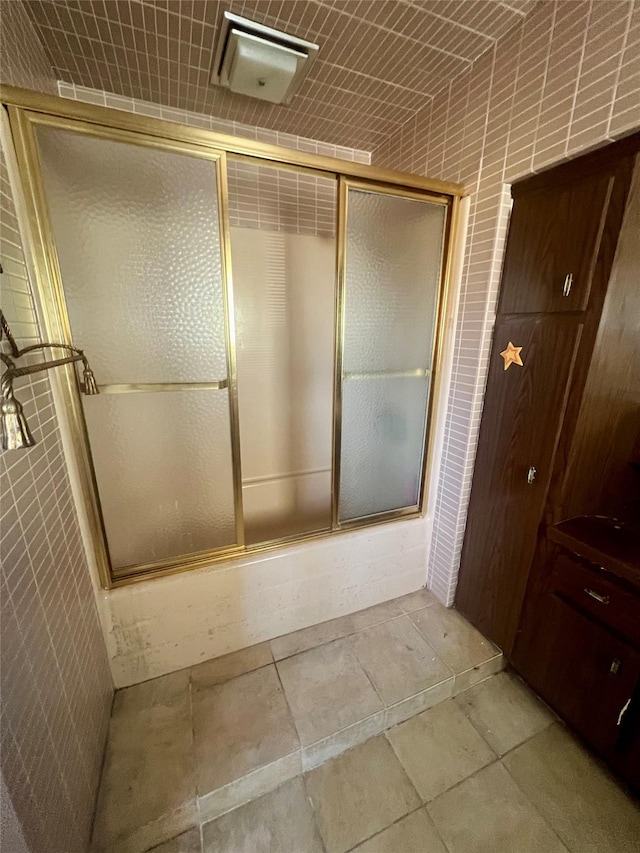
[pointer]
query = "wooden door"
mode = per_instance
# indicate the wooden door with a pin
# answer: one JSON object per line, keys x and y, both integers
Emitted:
{"x": 520, "y": 427}
{"x": 553, "y": 243}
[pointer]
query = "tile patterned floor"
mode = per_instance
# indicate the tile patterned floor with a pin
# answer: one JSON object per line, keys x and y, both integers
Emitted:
{"x": 386, "y": 731}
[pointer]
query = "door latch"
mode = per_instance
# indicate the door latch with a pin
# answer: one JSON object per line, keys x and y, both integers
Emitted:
{"x": 531, "y": 474}
{"x": 568, "y": 282}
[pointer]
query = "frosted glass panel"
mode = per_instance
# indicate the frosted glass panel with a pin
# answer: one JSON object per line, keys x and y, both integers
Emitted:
{"x": 284, "y": 256}
{"x": 393, "y": 261}
{"x": 137, "y": 236}
{"x": 394, "y": 249}
{"x": 164, "y": 472}
{"x": 383, "y": 421}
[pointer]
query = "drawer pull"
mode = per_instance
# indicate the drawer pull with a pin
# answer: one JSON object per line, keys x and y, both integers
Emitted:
{"x": 603, "y": 599}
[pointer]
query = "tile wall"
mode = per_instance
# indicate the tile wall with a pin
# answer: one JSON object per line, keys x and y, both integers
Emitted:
{"x": 56, "y": 684}
{"x": 273, "y": 199}
{"x": 567, "y": 78}
{"x": 378, "y": 60}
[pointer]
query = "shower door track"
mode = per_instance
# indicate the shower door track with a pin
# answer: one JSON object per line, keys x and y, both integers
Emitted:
{"x": 27, "y": 109}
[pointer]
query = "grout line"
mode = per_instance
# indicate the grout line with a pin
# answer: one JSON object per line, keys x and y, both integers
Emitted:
{"x": 533, "y": 805}
{"x": 457, "y": 23}
{"x": 193, "y": 755}
{"x": 387, "y": 31}
{"x": 623, "y": 50}
{"x": 384, "y": 829}
{"x": 291, "y": 714}
{"x": 313, "y": 811}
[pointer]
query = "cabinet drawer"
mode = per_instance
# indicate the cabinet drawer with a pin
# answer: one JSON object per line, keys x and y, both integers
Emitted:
{"x": 594, "y": 593}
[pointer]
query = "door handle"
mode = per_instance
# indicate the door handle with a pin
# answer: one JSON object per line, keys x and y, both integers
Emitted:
{"x": 623, "y": 711}
{"x": 531, "y": 475}
{"x": 603, "y": 599}
{"x": 568, "y": 282}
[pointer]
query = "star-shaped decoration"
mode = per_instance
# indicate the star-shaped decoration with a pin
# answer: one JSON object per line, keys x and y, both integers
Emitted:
{"x": 511, "y": 355}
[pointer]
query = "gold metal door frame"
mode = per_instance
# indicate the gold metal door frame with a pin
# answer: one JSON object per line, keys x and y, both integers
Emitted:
{"x": 57, "y": 324}
{"x": 29, "y": 108}
{"x": 119, "y": 119}
{"x": 450, "y": 203}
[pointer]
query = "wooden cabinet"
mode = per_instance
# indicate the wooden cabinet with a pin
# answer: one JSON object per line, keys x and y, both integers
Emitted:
{"x": 578, "y": 648}
{"x": 553, "y": 242}
{"x": 561, "y": 596}
{"x": 565, "y": 220}
{"x": 601, "y": 668}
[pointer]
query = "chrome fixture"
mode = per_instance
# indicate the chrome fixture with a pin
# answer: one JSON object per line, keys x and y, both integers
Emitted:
{"x": 15, "y": 429}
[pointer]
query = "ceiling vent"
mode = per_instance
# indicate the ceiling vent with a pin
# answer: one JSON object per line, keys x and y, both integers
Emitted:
{"x": 255, "y": 60}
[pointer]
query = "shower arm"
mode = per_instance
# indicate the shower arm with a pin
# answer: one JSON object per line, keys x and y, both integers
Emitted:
{"x": 14, "y": 372}
{"x": 15, "y": 430}
{"x": 18, "y": 353}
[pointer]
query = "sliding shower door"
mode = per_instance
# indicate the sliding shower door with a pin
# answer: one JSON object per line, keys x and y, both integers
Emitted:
{"x": 391, "y": 271}
{"x": 283, "y": 248}
{"x": 136, "y": 228}
{"x": 232, "y": 419}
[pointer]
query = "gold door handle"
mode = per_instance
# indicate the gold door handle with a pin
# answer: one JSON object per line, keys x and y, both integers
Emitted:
{"x": 531, "y": 475}
{"x": 568, "y": 282}
{"x": 141, "y": 387}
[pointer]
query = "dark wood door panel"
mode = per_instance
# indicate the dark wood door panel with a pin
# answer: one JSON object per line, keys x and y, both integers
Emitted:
{"x": 553, "y": 243}
{"x": 518, "y": 432}
{"x": 566, "y": 647}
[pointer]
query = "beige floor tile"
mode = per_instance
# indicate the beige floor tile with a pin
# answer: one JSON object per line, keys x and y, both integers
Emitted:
{"x": 439, "y": 748}
{"x": 322, "y": 750}
{"x": 480, "y": 672}
{"x": 188, "y": 842}
{"x": 488, "y": 813}
{"x": 229, "y": 666}
{"x": 398, "y": 660}
{"x": 407, "y": 708}
{"x": 454, "y": 640}
{"x": 307, "y": 638}
{"x": 279, "y": 822}
{"x": 504, "y": 711}
{"x": 371, "y": 616}
{"x": 239, "y": 726}
{"x": 415, "y": 833}
{"x": 261, "y": 781}
{"x": 416, "y": 600}
{"x": 359, "y": 793}
{"x": 585, "y": 806}
{"x": 327, "y": 690}
{"x": 325, "y": 632}
{"x": 148, "y": 777}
